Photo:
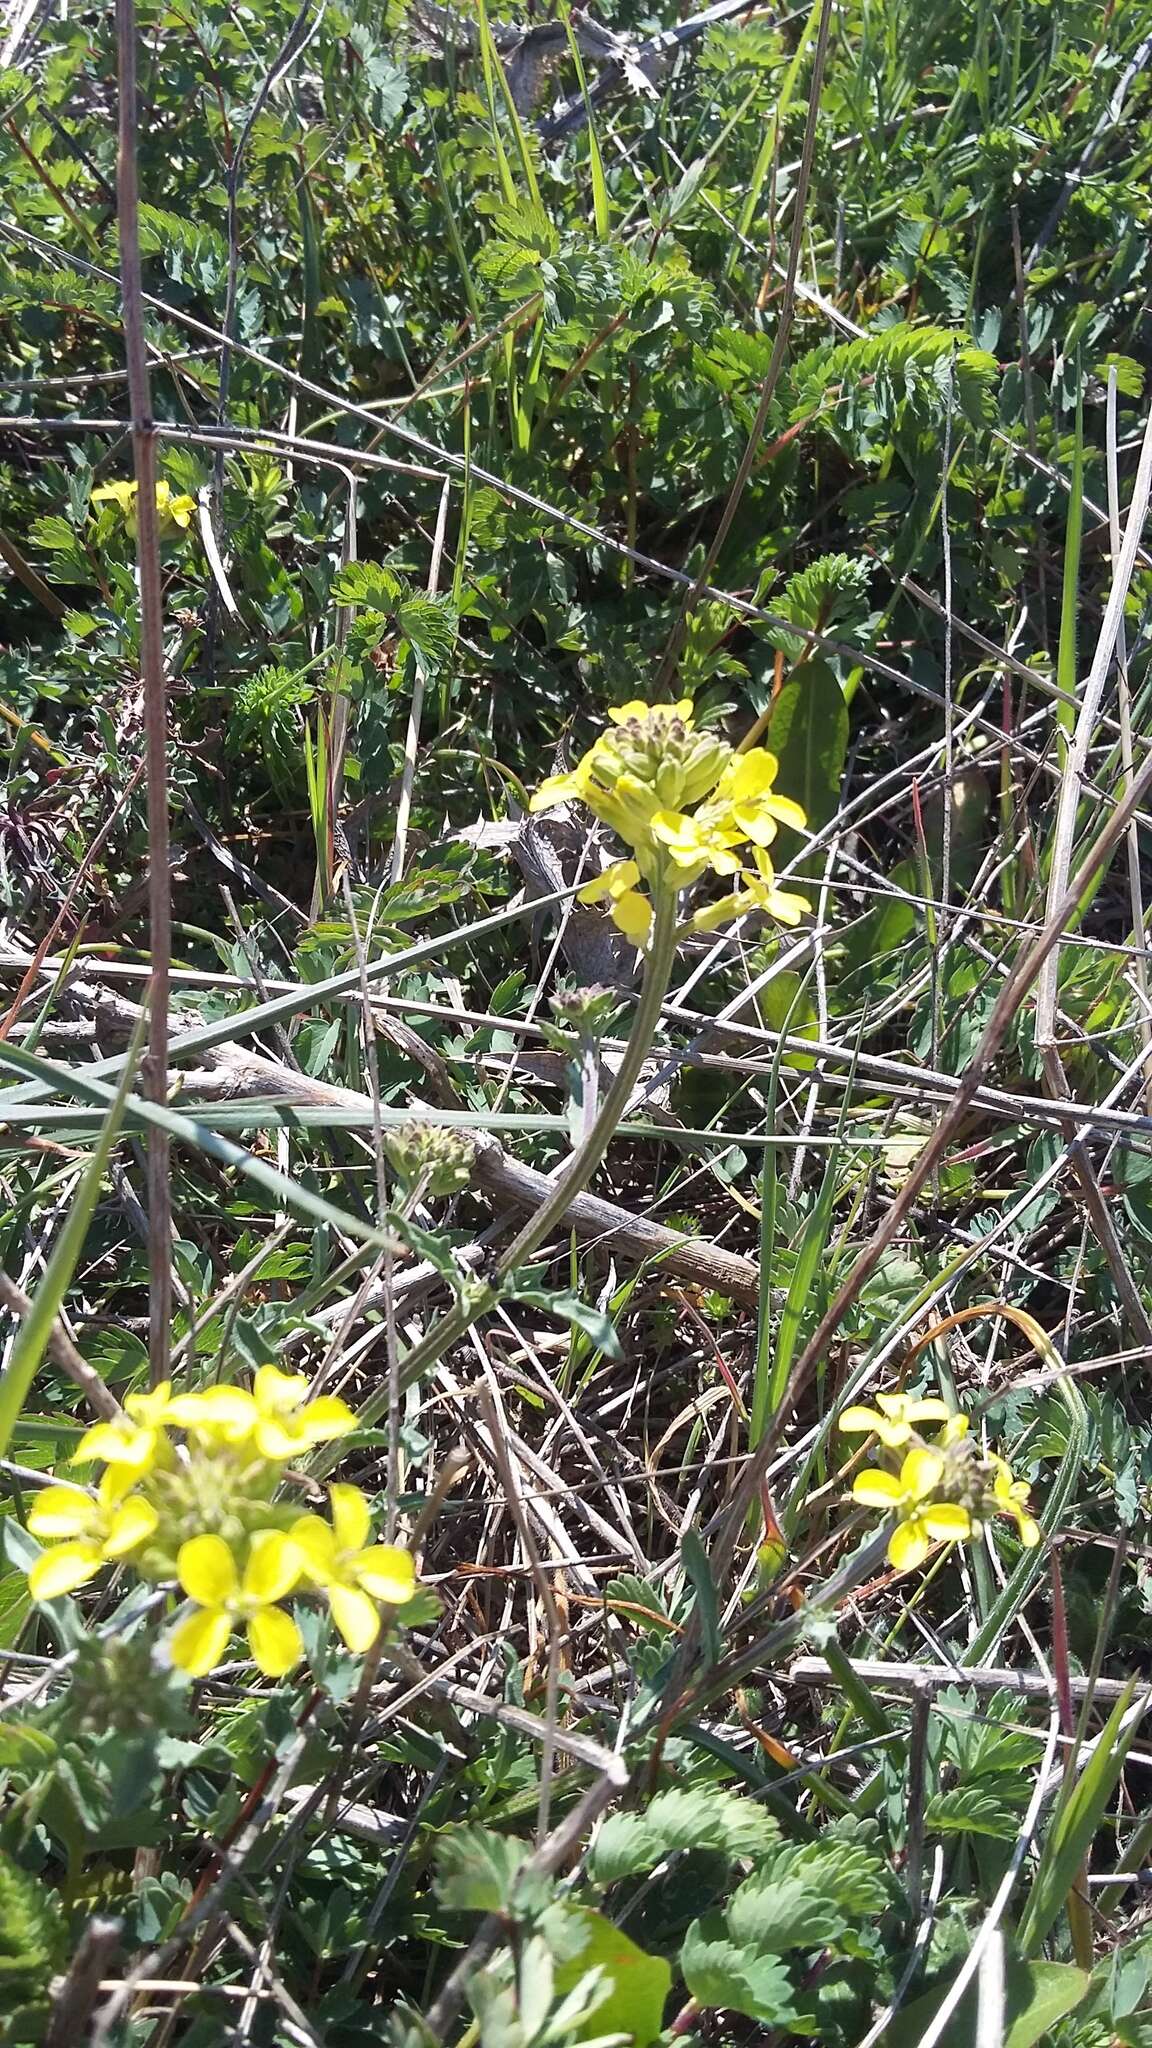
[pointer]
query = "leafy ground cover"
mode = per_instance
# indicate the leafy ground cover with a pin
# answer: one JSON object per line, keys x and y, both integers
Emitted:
{"x": 575, "y": 1459}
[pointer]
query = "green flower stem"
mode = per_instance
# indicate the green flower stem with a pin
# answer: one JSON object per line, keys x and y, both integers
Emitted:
{"x": 580, "y": 1170}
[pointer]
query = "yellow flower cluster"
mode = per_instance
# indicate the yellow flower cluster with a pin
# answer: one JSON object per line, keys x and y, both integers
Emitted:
{"x": 685, "y": 802}
{"x": 942, "y": 1492}
{"x": 200, "y": 1511}
{"x": 174, "y": 509}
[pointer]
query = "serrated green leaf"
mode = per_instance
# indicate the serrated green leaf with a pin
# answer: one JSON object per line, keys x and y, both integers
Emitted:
{"x": 476, "y": 1869}
{"x": 696, "y": 1818}
{"x": 724, "y": 1977}
{"x": 774, "y": 1914}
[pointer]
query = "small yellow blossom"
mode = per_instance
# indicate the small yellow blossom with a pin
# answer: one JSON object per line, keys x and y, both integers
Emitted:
{"x": 173, "y": 509}
{"x": 894, "y": 1418}
{"x": 1011, "y": 1498}
{"x": 353, "y": 1577}
{"x": 631, "y": 910}
{"x": 758, "y": 892}
{"x": 745, "y": 791}
{"x": 138, "y": 1441}
{"x": 85, "y": 1533}
{"x": 697, "y": 843}
{"x": 227, "y": 1599}
{"x": 277, "y": 1419}
{"x": 922, "y": 1520}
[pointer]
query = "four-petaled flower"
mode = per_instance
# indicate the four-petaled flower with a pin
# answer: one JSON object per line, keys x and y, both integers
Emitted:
{"x": 745, "y": 792}
{"x": 353, "y": 1577}
{"x": 894, "y": 1418}
{"x": 276, "y": 1418}
{"x": 696, "y": 843}
{"x": 1011, "y": 1497}
{"x": 227, "y": 1599}
{"x": 85, "y": 1532}
{"x": 138, "y": 1440}
{"x": 173, "y": 509}
{"x": 922, "y": 1520}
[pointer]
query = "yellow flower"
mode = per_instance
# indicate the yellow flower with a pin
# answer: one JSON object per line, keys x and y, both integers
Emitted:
{"x": 567, "y": 788}
{"x": 137, "y": 1442}
{"x": 173, "y": 510}
{"x": 745, "y": 790}
{"x": 225, "y": 1600}
{"x": 624, "y": 714}
{"x": 631, "y": 911}
{"x": 894, "y": 1418}
{"x": 921, "y": 1520}
{"x": 276, "y": 1418}
{"x": 1011, "y": 1496}
{"x": 86, "y": 1532}
{"x": 755, "y": 892}
{"x": 354, "y": 1578}
{"x": 696, "y": 843}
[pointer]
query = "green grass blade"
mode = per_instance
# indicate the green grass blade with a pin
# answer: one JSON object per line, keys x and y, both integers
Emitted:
{"x": 31, "y": 1340}
{"x": 1076, "y": 1822}
{"x": 601, "y": 211}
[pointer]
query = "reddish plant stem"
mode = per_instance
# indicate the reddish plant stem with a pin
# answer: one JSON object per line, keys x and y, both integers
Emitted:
{"x": 154, "y": 1072}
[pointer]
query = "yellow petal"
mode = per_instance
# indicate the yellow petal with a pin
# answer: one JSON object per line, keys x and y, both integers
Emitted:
{"x": 946, "y": 1521}
{"x": 857, "y": 1421}
{"x": 633, "y": 916}
{"x": 891, "y": 1432}
{"x": 275, "y": 1641}
{"x": 1029, "y": 1530}
{"x": 622, "y": 714}
{"x": 61, "y": 1511}
{"x": 273, "y": 1566}
{"x": 61, "y": 1570}
{"x": 787, "y": 812}
{"x": 387, "y": 1572}
{"x": 355, "y": 1616}
{"x": 875, "y": 1489}
{"x": 200, "y": 1642}
{"x": 206, "y": 1569}
{"x": 317, "y": 1546}
{"x": 326, "y": 1418}
{"x": 954, "y": 1429}
{"x": 786, "y": 908}
{"x": 278, "y": 1393}
{"x": 351, "y": 1517}
{"x": 222, "y": 1409}
{"x": 104, "y": 1440}
{"x": 908, "y": 1545}
{"x": 920, "y": 1473}
{"x": 620, "y": 876}
{"x": 134, "y": 1521}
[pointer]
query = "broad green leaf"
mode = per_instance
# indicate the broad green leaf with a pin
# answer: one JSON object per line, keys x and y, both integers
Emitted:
{"x": 583, "y": 1940}
{"x": 808, "y": 732}
{"x": 1036, "y": 1996}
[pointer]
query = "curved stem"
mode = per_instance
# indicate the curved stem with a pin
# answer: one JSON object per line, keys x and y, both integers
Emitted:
{"x": 581, "y": 1166}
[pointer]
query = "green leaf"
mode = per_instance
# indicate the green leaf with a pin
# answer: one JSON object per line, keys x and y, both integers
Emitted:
{"x": 581, "y": 1940}
{"x": 725, "y": 1977}
{"x": 476, "y": 1869}
{"x": 697, "y": 1818}
{"x": 968, "y": 1810}
{"x": 31, "y": 1339}
{"x": 429, "y": 626}
{"x": 694, "y": 1558}
{"x": 1075, "y": 1824}
{"x": 367, "y": 583}
{"x": 775, "y": 1913}
{"x": 830, "y": 594}
{"x": 808, "y": 733}
{"x": 1036, "y": 1996}
{"x": 846, "y": 1873}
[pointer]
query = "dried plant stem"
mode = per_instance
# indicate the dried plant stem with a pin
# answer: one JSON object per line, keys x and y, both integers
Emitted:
{"x": 155, "y": 1066}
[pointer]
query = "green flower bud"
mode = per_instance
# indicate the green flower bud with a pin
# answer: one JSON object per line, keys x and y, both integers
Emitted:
{"x": 435, "y": 1156}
